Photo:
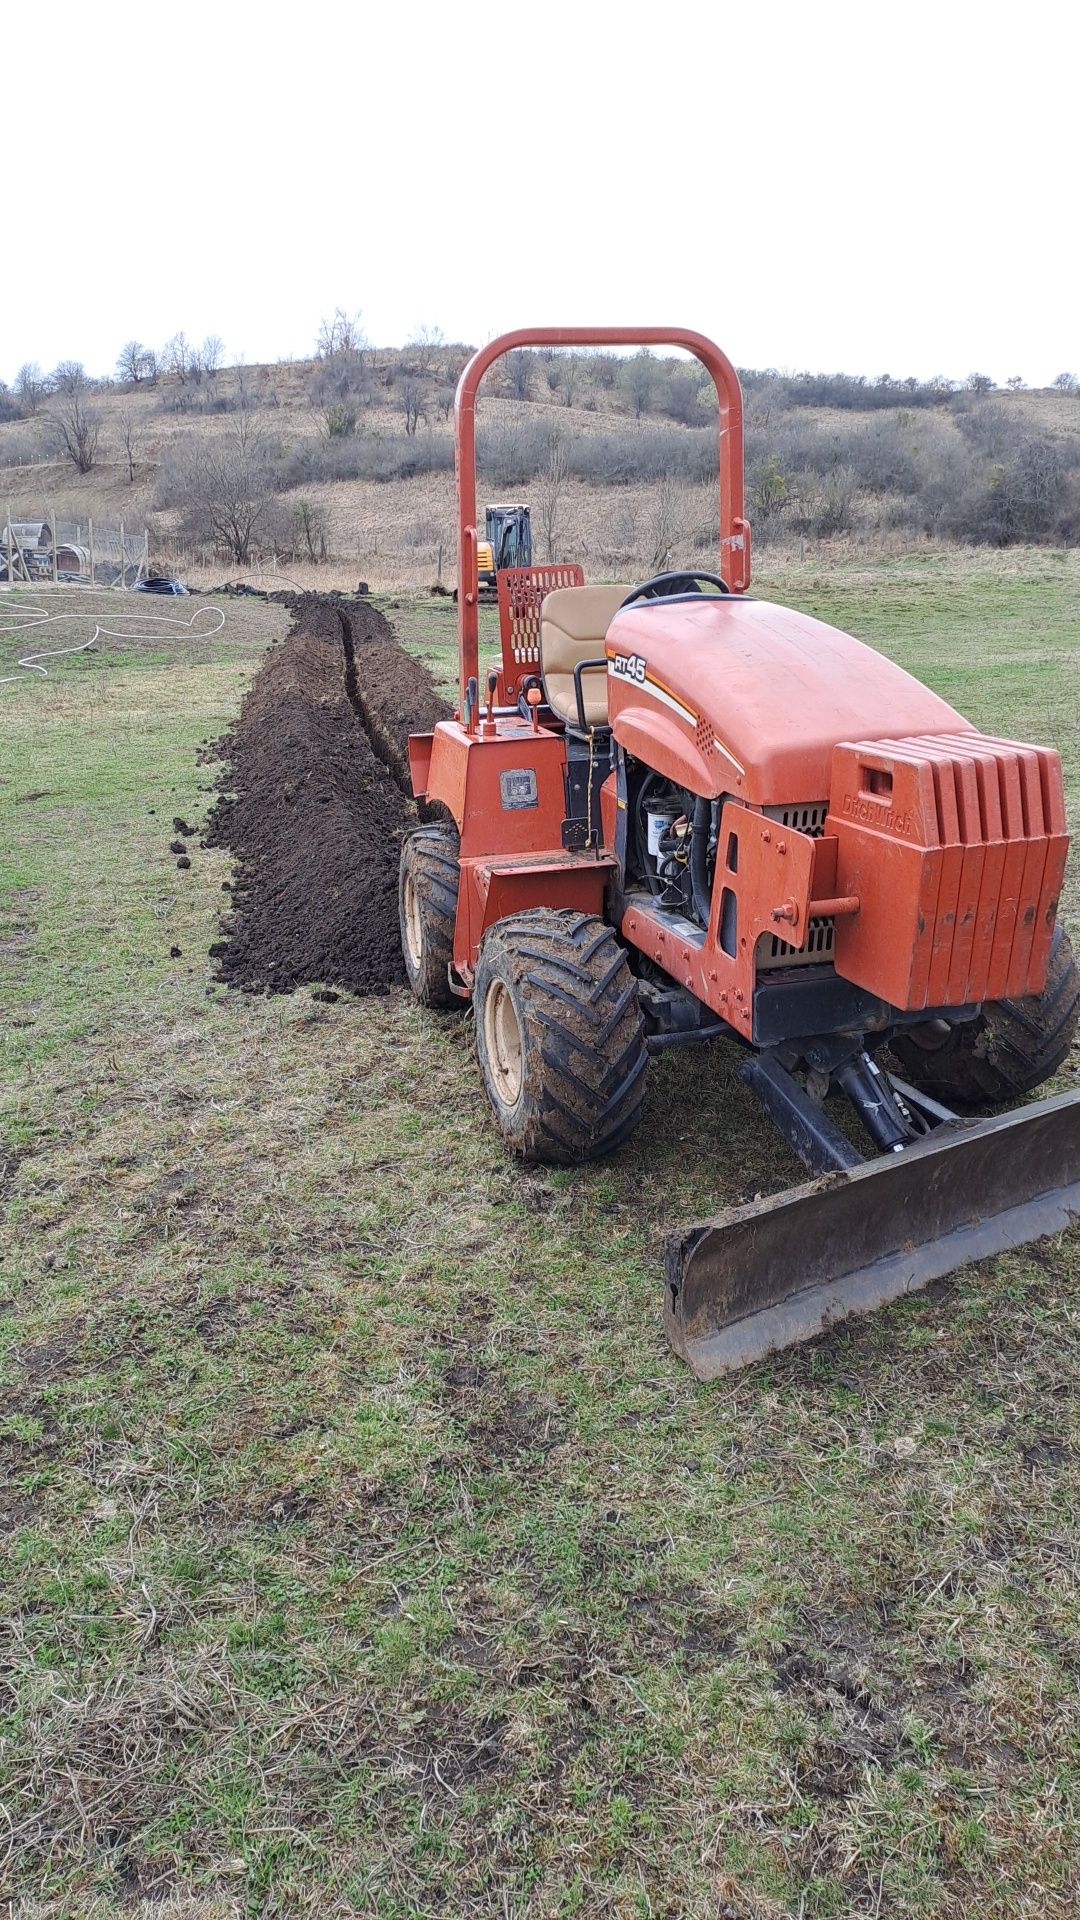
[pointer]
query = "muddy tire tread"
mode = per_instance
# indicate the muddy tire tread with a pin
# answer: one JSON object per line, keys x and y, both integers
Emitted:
{"x": 431, "y": 853}
{"x": 1011, "y": 1048}
{"x": 585, "y": 1055}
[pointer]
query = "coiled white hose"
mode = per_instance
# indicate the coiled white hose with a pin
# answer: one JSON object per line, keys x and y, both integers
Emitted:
{"x": 45, "y": 616}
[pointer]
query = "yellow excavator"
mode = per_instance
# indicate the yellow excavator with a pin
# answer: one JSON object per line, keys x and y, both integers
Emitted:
{"x": 507, "y": 542}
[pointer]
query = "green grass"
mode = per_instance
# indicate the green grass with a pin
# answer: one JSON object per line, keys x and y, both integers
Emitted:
{"x": 367, "y": 1551}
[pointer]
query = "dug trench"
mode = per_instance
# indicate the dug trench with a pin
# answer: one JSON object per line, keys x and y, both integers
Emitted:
{"x": 313, "y": 799}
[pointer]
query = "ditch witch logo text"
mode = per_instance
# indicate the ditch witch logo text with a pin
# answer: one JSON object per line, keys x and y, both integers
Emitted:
{"x": 877, "y": 813}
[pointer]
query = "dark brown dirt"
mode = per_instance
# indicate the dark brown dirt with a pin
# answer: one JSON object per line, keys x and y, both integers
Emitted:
{"x": 314, "y": 801}
{"x": 393, "y": 693}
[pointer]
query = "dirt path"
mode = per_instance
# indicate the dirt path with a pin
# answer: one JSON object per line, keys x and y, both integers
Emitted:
{"x": 314, "y": 801}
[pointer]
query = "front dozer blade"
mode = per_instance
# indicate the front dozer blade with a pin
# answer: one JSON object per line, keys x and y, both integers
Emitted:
{"x": 765, "y": 1276}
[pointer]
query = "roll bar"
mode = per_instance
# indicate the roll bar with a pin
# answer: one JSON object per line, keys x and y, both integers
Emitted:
{"x": 734, "y": 529}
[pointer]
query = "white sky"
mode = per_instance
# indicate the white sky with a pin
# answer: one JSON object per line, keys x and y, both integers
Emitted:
{"x": 889, "y": 186}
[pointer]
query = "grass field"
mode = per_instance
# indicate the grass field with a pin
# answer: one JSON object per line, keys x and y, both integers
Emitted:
{"x": 366, "y": 1551}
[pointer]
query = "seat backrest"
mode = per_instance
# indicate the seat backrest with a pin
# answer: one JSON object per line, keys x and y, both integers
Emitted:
{"x": 521, "y": 595}
{"x": 573, "y": 627}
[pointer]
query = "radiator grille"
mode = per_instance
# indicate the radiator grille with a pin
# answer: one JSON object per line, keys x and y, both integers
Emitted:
{"x": 809, "y": 818}
{"x": 817, "y": 949}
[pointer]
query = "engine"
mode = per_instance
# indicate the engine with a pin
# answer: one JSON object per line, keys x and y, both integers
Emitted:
{"x": 673, "y": 838}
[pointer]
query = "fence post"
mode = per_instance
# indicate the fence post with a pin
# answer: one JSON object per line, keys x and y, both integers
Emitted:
{"x": 55, "y": 545}
{"x": 123, "y": 563}
{"x": 91, "y": 536}
{"x": 146, "y": 553}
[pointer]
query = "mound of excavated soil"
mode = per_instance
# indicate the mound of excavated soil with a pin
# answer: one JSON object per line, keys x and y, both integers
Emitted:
{"x": 313, "y": 804}
{"x": 392, "y": 692}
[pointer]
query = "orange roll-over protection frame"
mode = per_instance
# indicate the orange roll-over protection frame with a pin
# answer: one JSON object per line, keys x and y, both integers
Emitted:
{"x": 734, "y": 529}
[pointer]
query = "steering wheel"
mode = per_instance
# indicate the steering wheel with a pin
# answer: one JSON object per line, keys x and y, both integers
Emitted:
{"x": 665, "y": 586}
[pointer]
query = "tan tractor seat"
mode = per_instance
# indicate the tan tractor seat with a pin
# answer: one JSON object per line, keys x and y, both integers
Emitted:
{"x": 573, "y": 627}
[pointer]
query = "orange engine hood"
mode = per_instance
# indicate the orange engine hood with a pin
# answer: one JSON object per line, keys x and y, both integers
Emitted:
{"x": 751, "y": 698}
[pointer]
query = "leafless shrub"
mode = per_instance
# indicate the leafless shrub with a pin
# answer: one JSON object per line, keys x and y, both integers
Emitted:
{"x": 828, "y": 508}
{"x": 566, "y": 376}
{"x": 342, "y": 333}
{"x": 682, "y": 397}
{"x": 413, "y": 400}
{"x": 310, "y": 526}
{"x": 1019, "y": 497}
{"x": 75, "y": 425}
{"x": 661, "y": 527}
{"x": 421, "y": 353}
{"x": 31, "y": 387}
{"x": 518, "y": 371}
{"x": 339, "y": 389}
{"x": 176, "y": 358}
{"x": 550, "y": 493}
{"x": 365, "y": 456}
{"x": 224, "y": 488}
{"x": 130, "y": 439}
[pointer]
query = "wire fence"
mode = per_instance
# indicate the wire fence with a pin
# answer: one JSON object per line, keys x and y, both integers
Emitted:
{"x": 71, "y": 552}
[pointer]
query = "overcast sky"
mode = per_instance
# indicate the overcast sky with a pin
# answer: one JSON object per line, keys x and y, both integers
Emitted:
{"x": 883, "y": 187}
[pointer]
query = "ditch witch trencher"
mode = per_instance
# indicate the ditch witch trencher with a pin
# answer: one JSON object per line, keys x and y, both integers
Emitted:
{"x": 680, "y": 812}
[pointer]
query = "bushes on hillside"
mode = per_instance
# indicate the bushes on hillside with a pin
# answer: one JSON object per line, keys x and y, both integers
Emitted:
{"x": 933, "y": 462}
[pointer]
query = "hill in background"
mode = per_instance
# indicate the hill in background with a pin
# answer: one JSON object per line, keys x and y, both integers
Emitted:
{"x": 342, "y": 466}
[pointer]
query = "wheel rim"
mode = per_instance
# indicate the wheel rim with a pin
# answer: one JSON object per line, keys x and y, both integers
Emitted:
{"x": 504, "y": 1044}
{"x": 414, "y": 937}
{"x": 931, "y": 1035}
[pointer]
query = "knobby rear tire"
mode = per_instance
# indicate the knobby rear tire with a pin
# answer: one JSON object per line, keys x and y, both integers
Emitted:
{"x": 427, "y": 910}
{"x": 559, "y": 1035}
{"x": 1009, "y": 1049}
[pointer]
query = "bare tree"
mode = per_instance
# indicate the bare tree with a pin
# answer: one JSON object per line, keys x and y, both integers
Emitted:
{"x": 130, "y": 439}
{"x": 211, "y": 354}
{"x": 75, "y": 427}
{"x": 176, "y": 357}
{"x": 340, "y": 334}
{"x": 136, "y": 363}
{"x": 567, "y": 372}
{"x": 1067, "y": 383}
{"x": 69, "y": 377}
{"x": 225, "y": 489}
{"x": 412, "y": 401}
{"x": 550, "y": 491}
{"x": 423, "y": 349}
{"x": 30, "y": 387}
{"x": 311, "y": 528}
{"x": 1015, "y": 382}
{"x": 978, "y": 383}
{"x": 518, "y": 368}
{"x": 661, "y": 527}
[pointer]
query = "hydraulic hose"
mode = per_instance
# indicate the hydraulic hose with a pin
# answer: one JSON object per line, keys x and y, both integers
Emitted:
{"x": 699, "y": 859}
